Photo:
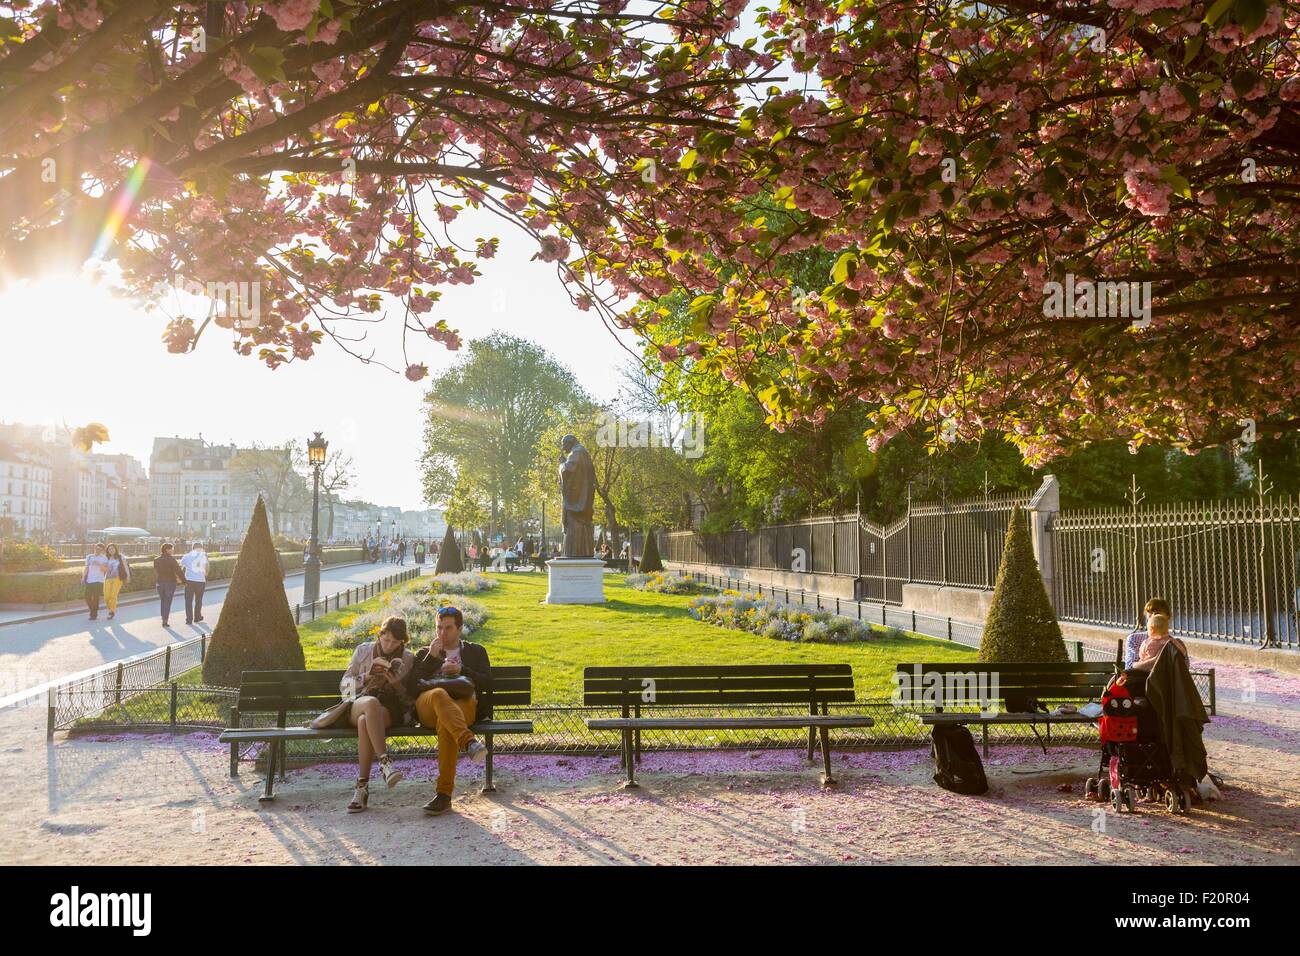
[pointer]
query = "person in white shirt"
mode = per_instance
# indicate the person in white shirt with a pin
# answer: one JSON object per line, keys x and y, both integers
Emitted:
{"x": 93, "y": 578}
{"x": 195, "y": 564}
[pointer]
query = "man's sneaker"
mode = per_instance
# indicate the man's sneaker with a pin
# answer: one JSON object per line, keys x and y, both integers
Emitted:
{"x": 477, "y": 751}
{"x": 439, "y": 804}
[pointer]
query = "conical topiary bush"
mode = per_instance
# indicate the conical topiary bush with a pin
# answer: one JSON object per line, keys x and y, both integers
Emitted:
{"x": 449, "y": 555}
{"x": 1021, "y": 626}
{"x": 650, "y": 560}
{"x": 255, "y": 630}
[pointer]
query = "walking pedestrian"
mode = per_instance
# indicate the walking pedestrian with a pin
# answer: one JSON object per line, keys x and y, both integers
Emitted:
{"x": 195, "y": 564}
{"x": 167, "y": 575}
{"x": 93, "y": 578}
{"x": 119, "y": 572}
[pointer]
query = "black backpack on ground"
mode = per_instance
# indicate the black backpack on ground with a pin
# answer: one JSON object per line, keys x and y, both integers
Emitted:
{"x": 956, "y": 761}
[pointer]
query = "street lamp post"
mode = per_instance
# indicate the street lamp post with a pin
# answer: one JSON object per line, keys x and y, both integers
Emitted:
{"x": 180, "y": 528}
{"x": 311, "y": 569}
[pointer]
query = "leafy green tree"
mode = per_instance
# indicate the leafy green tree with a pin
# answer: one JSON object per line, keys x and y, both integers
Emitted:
{"x": 485, "y": 419}
{"x": 255, "y": 630}
{"x": 1021, "y": 626}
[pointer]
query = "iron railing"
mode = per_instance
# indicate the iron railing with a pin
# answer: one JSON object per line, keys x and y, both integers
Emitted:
{"x": 950, "y": 543}
{"x": 1228, "y": 568}
{"x": 353, "y": 595}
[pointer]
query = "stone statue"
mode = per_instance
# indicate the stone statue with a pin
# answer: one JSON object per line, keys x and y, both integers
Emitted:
{"x": 578, "y": 489}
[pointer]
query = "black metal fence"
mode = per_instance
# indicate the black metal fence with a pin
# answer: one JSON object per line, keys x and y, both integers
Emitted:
{"x": 354, "y": 595}
{"x": 1228, "y": 568}
{"x": 113, "y": 688}
{"x": 951, "y": 543}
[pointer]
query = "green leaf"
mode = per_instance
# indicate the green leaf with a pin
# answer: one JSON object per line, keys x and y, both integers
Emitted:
{"x": 1192, "y": 47}
{"x": 843, "y": 267}
{"x": 267, "y": 62}
{"x": 689, "y": 159}
{"x": 1250, "y": 14}
{"x": 1216, "y": 12}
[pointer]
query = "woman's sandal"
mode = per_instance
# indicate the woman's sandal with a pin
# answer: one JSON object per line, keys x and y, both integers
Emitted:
{"x": 360, "y": 797}
{"x": 391, "y": 774}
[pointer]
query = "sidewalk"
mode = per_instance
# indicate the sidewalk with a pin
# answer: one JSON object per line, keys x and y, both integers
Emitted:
{"x": 28, "y": 614}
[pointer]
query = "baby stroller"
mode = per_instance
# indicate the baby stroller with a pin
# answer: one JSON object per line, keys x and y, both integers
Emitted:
{"x": 1134, "y": 759}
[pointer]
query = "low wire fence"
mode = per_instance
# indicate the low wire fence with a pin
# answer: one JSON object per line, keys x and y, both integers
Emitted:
{"x": 114, "y": 688}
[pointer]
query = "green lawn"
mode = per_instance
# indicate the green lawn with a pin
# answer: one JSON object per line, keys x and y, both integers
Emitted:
{"x": 636, "y": 627}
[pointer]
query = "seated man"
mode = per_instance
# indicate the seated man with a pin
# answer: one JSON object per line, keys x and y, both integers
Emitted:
{"x": 448, "y": 656}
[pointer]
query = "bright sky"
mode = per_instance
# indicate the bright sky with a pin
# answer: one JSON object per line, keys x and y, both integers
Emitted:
{"x": 72, "y": 353}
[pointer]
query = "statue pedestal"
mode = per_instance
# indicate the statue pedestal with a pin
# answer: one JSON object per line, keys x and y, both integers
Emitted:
{"x": 576, "y": 581}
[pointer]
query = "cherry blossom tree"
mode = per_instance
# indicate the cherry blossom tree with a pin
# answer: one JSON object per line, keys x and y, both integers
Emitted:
{"x": 961, "y": 159}
{"x": 316, "y": 154}
{"x": 1058, "y": 219}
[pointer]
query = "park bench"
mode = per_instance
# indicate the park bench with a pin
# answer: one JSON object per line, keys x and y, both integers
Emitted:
{"x": 950, "y": 686}
{"x": 309, "y": 692}
{"x": 638, "y": 691}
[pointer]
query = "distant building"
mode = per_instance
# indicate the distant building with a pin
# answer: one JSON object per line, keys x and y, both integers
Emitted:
{"x": 81, "y": 496}
{"x": 25, "y": 490}
{"x": 132, "y": 489}
{"x": 193, "y": 492}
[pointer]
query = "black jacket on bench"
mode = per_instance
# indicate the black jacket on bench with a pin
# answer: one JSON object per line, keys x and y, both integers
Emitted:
{"x": 474, "y": 664}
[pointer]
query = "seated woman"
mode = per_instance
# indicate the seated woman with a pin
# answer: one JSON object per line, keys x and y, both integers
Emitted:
{"x": 1157, "y": 638}
{"x": 376, "y": 680}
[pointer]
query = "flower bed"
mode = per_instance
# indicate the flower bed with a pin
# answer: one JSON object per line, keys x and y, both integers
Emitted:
{"x": 458, "y": 582}
{"x": 782, "y": 622}
{"x": 419, "y": 608}
{"x": 665, "y": 582}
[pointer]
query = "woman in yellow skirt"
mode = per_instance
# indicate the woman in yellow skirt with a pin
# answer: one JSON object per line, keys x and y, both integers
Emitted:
{"x": 119, "y": 572}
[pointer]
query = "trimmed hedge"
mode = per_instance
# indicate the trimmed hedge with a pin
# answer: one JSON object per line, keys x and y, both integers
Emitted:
{"x": 54, "y": 587}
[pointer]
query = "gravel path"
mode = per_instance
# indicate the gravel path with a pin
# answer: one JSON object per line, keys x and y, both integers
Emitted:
{"x": 140, "y": 799}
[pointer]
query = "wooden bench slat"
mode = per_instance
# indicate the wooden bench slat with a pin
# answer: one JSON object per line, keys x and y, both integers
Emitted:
{"x": 726, "y": 723}
{"x": 737, "y": 670}
{"x": 1083, "y": 667}
{"x": 250, "y": 734}
{"x": 791, "y": 682}
{"x": 951, "y": 717}
{"x": 720, "y": 699}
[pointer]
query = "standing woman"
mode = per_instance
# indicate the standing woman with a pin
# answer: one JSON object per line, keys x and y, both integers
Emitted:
{"x": 119, "y": 572}
{"x": 376, "y": 682}
{"x": 168, "y": 575}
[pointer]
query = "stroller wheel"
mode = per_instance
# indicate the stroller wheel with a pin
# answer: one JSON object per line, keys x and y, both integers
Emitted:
{"x": 1090, "y": 791}
{"x": 1174, "y": 802}
{"x": 1117, "y": 801}
{"x": 1130, "y": 797}
{"x": 1103, "y": 788}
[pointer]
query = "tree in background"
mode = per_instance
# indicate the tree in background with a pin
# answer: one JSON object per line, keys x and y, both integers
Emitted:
{"x": 486, "y": 417}
{"x": 335, "y": 477}
{"x": 255, "y": 630}
{"x": 1021, "y": 626}
{"x": 274, "y": 474}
